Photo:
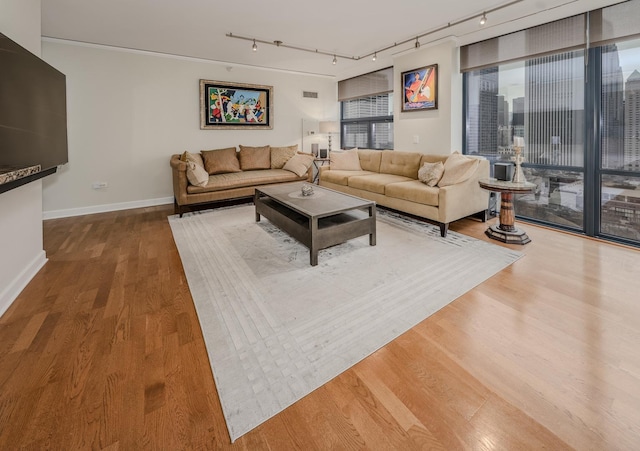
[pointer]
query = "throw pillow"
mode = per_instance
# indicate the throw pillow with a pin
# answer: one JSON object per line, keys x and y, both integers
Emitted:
{"x": 280, "y": 155}
{"x": 255, "y": 158}
{"x": 457, "y": 169}
{"x": 299, "y": 164}
{"x": 431, "y": 173}
{"x": 195, "y": 157}
{"x": 345, "y": 161}
{"x": 196, "y": 174}
{"x": 220, "y": 161}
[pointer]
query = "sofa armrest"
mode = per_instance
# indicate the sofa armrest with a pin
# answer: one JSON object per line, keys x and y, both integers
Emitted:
{"x": 180, "y": 182}
{"x": 466, "y": 198}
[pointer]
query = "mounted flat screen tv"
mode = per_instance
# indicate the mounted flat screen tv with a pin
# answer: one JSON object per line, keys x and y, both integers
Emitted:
{"x": 33, "y": 116}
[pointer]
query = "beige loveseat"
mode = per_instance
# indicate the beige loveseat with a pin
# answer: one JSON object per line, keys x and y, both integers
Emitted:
{"x": 390, "y": 178}
{"x": 201, "y": 179}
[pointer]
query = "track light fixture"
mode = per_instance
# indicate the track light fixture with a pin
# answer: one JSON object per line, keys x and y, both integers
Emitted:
{"x": 374, "y": 54}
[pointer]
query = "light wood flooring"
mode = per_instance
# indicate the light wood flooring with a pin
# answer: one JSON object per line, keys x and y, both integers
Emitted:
{"x": 102, "y": 350}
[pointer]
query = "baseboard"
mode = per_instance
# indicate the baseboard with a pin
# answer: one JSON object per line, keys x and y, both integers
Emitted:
{"x": 54, "y": 214}
{"x": 17, "y": 285}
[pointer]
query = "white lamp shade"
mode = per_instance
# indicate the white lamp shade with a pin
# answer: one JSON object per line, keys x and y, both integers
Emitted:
{"x": 329, "y": 127}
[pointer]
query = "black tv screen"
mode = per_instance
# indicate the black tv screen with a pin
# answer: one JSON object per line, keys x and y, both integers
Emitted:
{"x": 33, "y": 116}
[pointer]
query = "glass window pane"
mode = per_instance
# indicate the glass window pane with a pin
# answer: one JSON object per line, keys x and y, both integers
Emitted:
{"x": 540, "y": 100}
{"x": 620, "y": 206}
{"x": 372, "y": 106}
{"x": 620, "y": 129}
{"x": 541, "y": 103}
{"x": 558, "y": 198}
{"x": 355, "y": 135}
{"x": 620, "y": 140}
{"x": 382, "y": 135}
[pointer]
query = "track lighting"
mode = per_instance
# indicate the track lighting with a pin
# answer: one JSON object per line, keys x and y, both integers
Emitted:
{"x": 374, "y": 55}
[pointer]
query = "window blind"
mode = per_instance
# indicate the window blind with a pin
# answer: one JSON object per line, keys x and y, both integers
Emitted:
{"x": 373, "y": 83}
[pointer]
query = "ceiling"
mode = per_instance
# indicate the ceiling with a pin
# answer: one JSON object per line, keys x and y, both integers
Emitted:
{"x": 198, "y": 28}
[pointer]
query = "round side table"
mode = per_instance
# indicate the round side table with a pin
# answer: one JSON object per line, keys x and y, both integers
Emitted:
{"x": 506, "y": 231}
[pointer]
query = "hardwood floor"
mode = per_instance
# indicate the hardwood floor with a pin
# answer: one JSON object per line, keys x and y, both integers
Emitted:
{"x": 103, "y": 350}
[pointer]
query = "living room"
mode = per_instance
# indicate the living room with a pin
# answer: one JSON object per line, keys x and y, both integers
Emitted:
{"x": 129, "y": 109}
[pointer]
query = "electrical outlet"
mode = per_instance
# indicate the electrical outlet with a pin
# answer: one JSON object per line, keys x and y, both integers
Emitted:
{"x": 99, "y": 185}
{"x": 416, "y": 139}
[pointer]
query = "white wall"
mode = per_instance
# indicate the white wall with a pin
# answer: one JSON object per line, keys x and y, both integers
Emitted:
{"x": 21, "y": 218}
{"x": 129, "y": 111}
{"x": 439, "y": 131}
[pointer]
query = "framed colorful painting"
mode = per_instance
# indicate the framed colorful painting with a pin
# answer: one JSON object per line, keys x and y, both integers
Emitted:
{"x": 225, "y": 105}
{"x": 420, "y": 89}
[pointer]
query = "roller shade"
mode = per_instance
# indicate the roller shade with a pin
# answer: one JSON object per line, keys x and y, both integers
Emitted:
{"x": 615, "y": 23}
{"x": 553, "y": 37}
{"x": 371, "y": 84}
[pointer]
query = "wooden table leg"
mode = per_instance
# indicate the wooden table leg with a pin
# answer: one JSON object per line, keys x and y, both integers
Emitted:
{"x": 507, "y": 213}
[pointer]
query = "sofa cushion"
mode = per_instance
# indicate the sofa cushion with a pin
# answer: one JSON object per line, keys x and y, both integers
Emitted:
{"x": 195, "y": 157}
{"x": 345, "y": 161}
{"x": 280, "y": 155}
{"x": 341, "y": 177}
{"x": 252, "y": 158}
{"x": 196, "y": 174}
{"x": 375, "y": 183}
{"x": 431, "y": 173}
{"x": 299, "y": 164}
{"x": 370, "y": 159}
{"x": 457, "y": 169}
{"x": 220, "y": 161}
{"x": 400, "y": 163}
{"x": 413, "y": 191}
{"x": 220, "y": 182}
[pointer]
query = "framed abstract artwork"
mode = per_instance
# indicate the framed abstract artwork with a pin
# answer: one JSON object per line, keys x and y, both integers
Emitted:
{"x": 225, "y": 105}
{"x": 420, "y": 89}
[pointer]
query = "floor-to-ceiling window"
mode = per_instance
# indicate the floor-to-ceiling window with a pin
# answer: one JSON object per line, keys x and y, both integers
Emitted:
{"x": 619, "y": 169}
{"x": 366, "y": 103}
{"x": 578, "y": 110}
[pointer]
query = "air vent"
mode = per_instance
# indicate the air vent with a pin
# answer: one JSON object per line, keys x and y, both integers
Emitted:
{"x": 310, "y": 95}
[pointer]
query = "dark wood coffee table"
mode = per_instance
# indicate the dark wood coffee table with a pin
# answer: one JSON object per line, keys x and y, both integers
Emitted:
{"x": 321, "y": 220}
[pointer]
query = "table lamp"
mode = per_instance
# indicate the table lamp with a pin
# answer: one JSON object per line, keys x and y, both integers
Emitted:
{"x": 329, "y": 127}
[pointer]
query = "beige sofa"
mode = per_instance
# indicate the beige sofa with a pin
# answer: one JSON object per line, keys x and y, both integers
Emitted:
{"x": 390, "y": 178}
{"x": 202, "y": 179}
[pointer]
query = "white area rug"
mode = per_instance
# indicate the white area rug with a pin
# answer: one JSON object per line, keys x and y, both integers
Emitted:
{"x": 277, "y": 328}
